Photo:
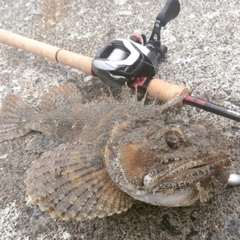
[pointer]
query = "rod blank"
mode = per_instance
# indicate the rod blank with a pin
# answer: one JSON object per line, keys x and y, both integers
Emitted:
{"x": 211, "y": 107}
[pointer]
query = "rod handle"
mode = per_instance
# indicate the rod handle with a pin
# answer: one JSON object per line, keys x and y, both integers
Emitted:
{"x": 44, "y": 50}
{"x": 164, "y": 91}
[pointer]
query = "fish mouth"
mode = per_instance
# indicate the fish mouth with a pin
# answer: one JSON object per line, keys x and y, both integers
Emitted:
{"x": 181, "y": 174}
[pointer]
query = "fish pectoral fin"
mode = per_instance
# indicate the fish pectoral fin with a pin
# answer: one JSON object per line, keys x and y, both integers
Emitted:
{"x": 41, "y": 143}
{"x": 72, "y": 182}
{"x": 65, "y": 94}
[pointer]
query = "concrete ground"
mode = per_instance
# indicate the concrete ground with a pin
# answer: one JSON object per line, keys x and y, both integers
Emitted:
{"x": 204, "y": 46}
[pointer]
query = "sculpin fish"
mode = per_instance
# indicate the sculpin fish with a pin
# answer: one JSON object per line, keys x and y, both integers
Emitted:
{"x": 111, "y": 152}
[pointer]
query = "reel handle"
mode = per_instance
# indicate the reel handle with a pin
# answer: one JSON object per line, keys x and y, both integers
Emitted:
{"x": 170, "y": 10}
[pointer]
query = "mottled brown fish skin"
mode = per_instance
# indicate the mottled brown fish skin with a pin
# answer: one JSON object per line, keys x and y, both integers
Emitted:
{"x": 174, "y": 165}
{"x": 112, "y": 152}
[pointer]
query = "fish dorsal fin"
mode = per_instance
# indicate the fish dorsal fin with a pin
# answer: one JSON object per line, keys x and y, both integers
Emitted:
{"x": 72, "y": 182}
{"x": 61, "y": 95}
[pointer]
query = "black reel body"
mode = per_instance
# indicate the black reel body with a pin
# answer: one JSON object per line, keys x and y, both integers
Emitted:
{"x": 123, "y": 59}
{"x": 128, "y": 60}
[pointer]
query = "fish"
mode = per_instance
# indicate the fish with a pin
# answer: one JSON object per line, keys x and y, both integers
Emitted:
{"x": 105, "y": 154}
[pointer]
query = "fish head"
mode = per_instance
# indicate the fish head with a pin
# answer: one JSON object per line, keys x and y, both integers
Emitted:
{"x": 167, "y": 163}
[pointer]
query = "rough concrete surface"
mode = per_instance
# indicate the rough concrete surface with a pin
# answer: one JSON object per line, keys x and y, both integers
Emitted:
{"x": 204, "y": 46}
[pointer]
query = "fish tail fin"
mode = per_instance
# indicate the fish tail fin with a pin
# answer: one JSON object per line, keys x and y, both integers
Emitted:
{"x": 14, "y": 118}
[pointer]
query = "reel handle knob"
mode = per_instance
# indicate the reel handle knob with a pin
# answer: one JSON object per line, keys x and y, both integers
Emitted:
{"x": 169, "y": 11}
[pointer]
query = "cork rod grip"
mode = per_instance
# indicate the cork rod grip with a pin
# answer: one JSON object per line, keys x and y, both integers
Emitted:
{"x": 65, "y": 57}
{"x": 164, "y": 91}
{"x": 157, "y": 88}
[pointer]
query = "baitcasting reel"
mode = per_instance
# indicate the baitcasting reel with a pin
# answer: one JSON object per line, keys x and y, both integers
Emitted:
{"x": 132, "y": 60}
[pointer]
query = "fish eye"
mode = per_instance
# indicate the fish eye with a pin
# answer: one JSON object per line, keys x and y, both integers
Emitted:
{"x": 174, "y": 139}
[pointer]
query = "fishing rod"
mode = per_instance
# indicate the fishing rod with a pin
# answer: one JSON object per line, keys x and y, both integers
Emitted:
{"x": 134, "y": 61}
